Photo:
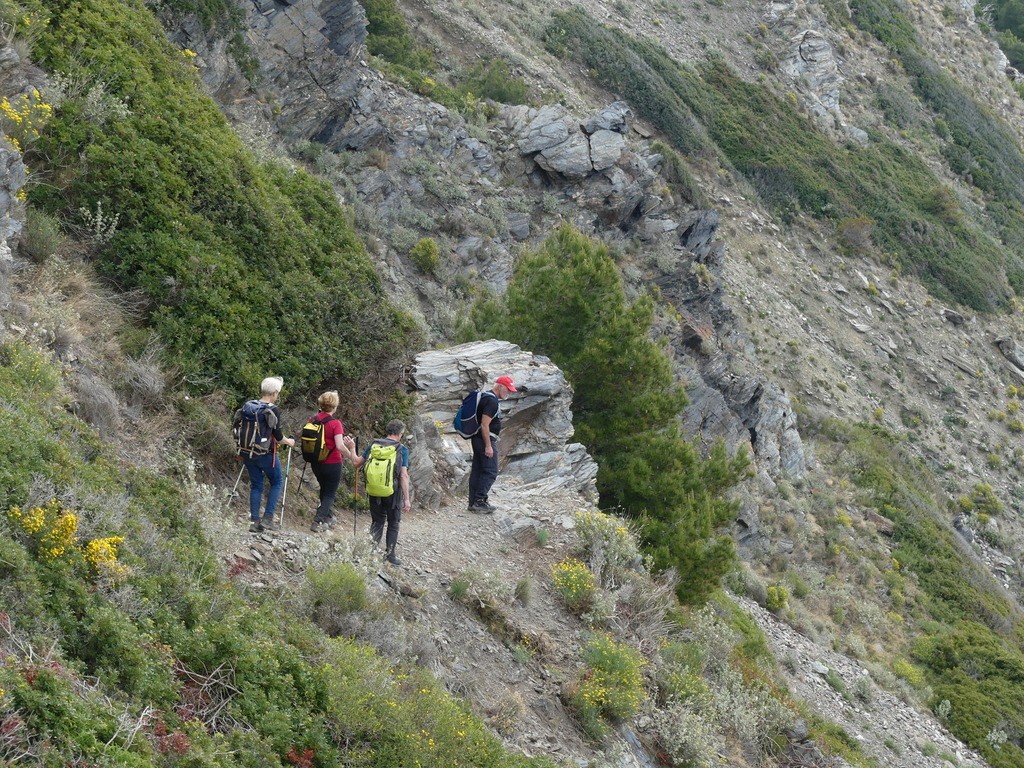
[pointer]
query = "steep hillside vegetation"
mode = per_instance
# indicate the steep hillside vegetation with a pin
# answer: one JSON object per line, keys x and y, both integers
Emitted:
{"x": 123, "y": 643}
{"x": 233, "y": 255}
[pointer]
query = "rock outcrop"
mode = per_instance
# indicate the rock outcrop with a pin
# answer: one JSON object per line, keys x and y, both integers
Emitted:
{"x": 592, "y": 163}
{"x": 307, "y": 56}
{"x": 729, "y": 401}
{"x": 536, "y": 421}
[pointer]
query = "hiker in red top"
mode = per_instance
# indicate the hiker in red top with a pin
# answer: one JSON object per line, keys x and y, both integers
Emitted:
{"x": 328, "y": 471}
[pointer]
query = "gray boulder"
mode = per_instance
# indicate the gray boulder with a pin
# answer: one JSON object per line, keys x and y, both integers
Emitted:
{"x": 536, "y": 421}
{"x": 606, "y": 148}
{"x": 615, "y": 117}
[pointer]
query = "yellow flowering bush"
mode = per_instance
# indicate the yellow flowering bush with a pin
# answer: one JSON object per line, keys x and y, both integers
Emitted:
{"x": 52, "y": 530}
{"x": 23, "y": 117}
{"x": 27, "y": 367}
{"x": 611, "y": 688}
{"x": 101, "y": 556}
{"x": 575, "y": 583}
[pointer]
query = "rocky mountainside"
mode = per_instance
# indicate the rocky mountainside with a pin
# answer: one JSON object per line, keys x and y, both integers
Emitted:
{"x": 763, "y": 313}
{"x": 776, "y": 328}
{"x": 880, "y": 524}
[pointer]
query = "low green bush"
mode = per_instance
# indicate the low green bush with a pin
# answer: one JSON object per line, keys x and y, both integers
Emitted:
{"x": 610, "y": 689}
{"x": 248, "y": 268}
{"x": 335, "y": 592}
{"x": 494, "y": 80}
{"x": 778, "y": 598}
{"x": 42, "y": 236}
{"x": 426, "y": 255}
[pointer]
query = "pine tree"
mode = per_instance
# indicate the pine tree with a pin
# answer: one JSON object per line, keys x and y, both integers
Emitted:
{"x": 567, "y": 301}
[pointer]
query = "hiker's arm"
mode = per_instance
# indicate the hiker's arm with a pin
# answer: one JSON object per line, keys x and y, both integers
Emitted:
{"x": 278, "y": 432}
{"x": 403, "y": 479}
{"x": 485, "y": 430}
{"x": 348, "y": 449}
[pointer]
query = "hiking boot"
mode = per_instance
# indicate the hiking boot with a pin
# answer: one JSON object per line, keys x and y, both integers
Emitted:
{"x": 484, "y": 507}
{"x": 392, "y": 558}
{"x": 255, "y": 527}
{"x": 270, "y": 524}
{"x": 318, "y": 527}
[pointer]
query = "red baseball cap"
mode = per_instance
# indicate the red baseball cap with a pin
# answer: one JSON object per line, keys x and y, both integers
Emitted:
{"x": 506, "y": 381}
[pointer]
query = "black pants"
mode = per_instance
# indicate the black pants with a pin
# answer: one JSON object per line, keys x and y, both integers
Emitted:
{"x": 387, "y": 509}
{"x": 484, "y": 470}
{"x": 329, "y": 477}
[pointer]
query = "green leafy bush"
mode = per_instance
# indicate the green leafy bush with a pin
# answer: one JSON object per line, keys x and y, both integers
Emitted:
{"x": 611, "y": 687}
{"x": 42, "y": 236}
{"x": 426, "y": 255}
{"x": 249, "y": 268}
{"x": 336, "y": 591}
{"x": 778, "y": 598}
{"x": 494, "y": 80}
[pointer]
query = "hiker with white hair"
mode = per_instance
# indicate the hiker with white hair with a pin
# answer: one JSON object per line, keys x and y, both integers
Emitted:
{"x": 257, "y": 430}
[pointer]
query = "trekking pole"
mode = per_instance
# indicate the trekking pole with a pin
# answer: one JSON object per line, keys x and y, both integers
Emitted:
{"x": 287, "y": 471}
{"x": 355, "y": 490}
{"x": 234, "y": 491}
{"x": 302, "y": 476}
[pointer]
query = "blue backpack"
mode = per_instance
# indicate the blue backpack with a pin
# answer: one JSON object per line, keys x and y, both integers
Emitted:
{"x": 467, "y": 420}
{"x": 253, "y": 428}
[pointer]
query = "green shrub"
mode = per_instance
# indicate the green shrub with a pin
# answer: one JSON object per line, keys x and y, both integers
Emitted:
{"x": 426, "y": 255}
{"x": 250, "y": 255}
{"x": 494, "y": 80}
{"x": 981, "y": 501}
{"x": 611, "y": 688}
{"x": 778, "y": 598}
{"x": 337, "y": 590}
{"x": 42, "y": 236}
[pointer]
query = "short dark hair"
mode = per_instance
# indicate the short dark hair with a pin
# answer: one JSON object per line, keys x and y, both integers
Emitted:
{"x": 396, "y": 427}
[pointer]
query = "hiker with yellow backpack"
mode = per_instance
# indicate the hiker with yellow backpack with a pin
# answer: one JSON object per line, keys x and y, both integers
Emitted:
{"x": 323, "y": 450}
{"x": 386, "y": 466}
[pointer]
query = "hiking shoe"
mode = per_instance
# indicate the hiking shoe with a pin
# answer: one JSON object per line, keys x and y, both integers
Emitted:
{"x": 484, "y": 507}
{"x": 255, "y": 527}
{"x": 270, "y": 524}
{"x": 318, "y": 527}
{"x": 391, "y": 558}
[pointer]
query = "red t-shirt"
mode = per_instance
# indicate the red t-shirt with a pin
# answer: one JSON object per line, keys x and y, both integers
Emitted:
{"x": 332, "y": 428}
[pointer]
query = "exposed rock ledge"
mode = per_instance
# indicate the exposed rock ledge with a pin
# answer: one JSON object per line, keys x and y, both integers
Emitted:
{"x": 536, "y": 421}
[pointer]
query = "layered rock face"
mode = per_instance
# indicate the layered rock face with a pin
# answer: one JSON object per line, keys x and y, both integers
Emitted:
{"x": 536, "y": 422}
{"x": 729, "y": 400}
{"x": 307, "y": 54}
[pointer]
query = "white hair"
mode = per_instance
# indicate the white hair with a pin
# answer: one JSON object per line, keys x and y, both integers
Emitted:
{"x": 271, "y": 385}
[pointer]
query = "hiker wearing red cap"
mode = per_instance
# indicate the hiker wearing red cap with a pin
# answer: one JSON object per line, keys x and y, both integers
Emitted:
{"x": 485, "y": 446}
